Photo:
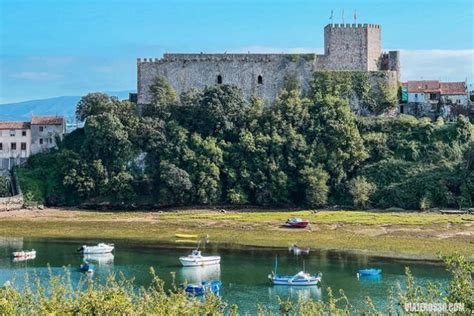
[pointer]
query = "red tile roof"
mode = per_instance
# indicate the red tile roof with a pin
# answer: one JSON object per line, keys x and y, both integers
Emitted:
{"x": 422, "y": 86}
{"x": 14, "y": 125}
{"x": 453, "y": 88}
{"x": 434, "y": 86}
{"x": 47, "y": 120}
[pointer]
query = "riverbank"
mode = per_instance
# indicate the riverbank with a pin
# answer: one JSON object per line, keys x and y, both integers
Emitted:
{"x": 398, "y": 235}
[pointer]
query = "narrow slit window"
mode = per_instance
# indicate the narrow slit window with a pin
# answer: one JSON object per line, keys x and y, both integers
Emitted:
{"x": 219, "y": 79}
{"x": 260, "y": 79}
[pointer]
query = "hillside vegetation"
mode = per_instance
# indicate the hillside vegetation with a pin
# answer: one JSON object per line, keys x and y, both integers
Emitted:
{"x": 213, "y": 147}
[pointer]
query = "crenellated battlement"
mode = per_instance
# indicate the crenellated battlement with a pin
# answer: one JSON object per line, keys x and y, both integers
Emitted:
{"x": 353, "y": 25}
{"x": 227, "y": 57}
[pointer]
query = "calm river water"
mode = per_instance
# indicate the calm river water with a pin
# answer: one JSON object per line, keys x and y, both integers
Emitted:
{"x": 243, "y": 272}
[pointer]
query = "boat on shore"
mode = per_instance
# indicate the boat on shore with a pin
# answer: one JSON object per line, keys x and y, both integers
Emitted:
{"x": 24, "y": 254}
{"x": 298, "y": 250}
{"x": 186, "y": 236}
{"x": 369, "y": 272}
{"x": 196, "y": 259}
{"x": 299, "y": 279}
{"x": 296, "y": 222}
{"x": 98, "y": 249}
{"x": 204, "y": 288}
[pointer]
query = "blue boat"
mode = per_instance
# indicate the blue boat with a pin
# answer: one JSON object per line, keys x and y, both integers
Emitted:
{"x": 203, "y": 288}
{"x": 370, "y": 272}
{"x": 87, "y": 267}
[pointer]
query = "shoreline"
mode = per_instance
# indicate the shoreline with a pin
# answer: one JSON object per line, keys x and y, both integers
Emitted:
{"x": 398, "y": 236}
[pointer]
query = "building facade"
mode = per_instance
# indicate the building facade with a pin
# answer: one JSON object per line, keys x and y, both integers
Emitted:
{"x": 355, "y": 47}
{"x": 434, "y": 98}
{"x": 19, "y": 140}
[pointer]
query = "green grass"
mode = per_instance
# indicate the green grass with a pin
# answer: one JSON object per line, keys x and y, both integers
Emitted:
{"x": 360, "y": 232}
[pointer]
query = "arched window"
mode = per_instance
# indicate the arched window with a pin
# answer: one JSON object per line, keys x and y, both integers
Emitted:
{"x": 260, "y": 79}
{"x": 219, "y": 79}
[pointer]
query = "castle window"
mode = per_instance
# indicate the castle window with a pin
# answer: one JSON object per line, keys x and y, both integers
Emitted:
{"x": 260, "y": 80}
{"x": 347, "y": 46}
{"x": 328, "y": 51}
{"x": 219, "y": 79}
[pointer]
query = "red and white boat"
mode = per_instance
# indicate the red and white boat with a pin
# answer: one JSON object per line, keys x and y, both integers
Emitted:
{"x": 297, "y": 222}
{"x": 24, "y": 254}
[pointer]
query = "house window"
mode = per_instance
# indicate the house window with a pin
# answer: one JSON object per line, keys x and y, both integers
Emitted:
{"x": 13, "y": 146}
{"x": 41, "y": 128}
{"x": 12, "y": 133}
{"x": 433, "y": 96}
{"x": 401, "y": 109}
{"x": 50, "y": 140}
{"x": 260, "y": 80}
{"x": 1, "y": 146}
{"x": 23, "y": 133}
{"x": 416, "y": 95}
{"x": 458, "y": 101}
{"x": 219, "y": 79}
{"x": 41, "y": 141}
{"x": 23, "y": 146}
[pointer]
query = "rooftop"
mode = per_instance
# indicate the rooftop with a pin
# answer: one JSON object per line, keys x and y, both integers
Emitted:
{"x": 47, "y": 120}
{"x": 435, "y": 86}
{"x": 14, "y": 125}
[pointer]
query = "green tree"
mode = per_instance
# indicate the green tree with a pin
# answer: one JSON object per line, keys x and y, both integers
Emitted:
{"x": 315, "y": 184}
{"x": 361, "y": 190}
{"x": 164, "y": 98}
{"x": 94, "y": 104}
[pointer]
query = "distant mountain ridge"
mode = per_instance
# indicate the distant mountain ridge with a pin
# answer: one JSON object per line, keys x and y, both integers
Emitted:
{"x": 64, "y": 105}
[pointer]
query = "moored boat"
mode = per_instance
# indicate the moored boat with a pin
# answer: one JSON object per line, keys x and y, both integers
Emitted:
{"x": 186, "y": 236}
{"x": 23, "y": 253}
{"x": 87, "y": 267}
{"x": 298, "y": 250}
{"x": 296, "y": 222}
{"x": 98, "y": 249}
{"x": 370, "y": 272}
{"x": 203, "y": 288}
{"x": 195, "y": 259}
{"x": 299, "y": 279}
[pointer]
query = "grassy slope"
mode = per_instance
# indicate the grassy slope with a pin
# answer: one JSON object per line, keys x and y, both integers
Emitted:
{"x": 409, "y": 235}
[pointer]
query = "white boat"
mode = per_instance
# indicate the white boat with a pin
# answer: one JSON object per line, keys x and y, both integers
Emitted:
{"x": 24, "y": 254}
{"x": 195, "y": 259}
{"x": 299, "y": 279}
{"x": 298, "y": 250}
{"x": 100, "y": 248}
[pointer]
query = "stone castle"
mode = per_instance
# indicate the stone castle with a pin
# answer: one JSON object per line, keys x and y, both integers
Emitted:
{"x": 355, "y": 47}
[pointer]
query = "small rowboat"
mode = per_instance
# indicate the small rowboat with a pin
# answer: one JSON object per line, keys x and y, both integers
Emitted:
{"x": 186, "y": 236}
{"x": 300, "y": 279}
{"x": 195, "y": 259}
{"x": 370, "y": 272}
{"x": 24, "y": 254}
{"x": 298, "y": 250}
{"x": 203, "y": 288}
{"x": 296, "y": 222}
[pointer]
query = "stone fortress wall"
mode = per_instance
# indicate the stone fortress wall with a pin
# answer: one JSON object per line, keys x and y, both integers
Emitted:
{"x": 347, "y": 47}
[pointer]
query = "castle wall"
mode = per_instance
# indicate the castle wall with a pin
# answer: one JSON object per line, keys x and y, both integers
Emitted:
{"x": 186, "y": 71}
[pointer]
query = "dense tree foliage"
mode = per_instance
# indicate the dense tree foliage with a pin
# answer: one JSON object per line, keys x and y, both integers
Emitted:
{"x": 214, "y": 146}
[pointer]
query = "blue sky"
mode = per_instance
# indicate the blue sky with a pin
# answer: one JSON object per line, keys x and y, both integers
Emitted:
{"x": 52, "y": 48}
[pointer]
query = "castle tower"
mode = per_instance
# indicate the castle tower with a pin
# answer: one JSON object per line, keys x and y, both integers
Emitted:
{"x": 352, "y": 46}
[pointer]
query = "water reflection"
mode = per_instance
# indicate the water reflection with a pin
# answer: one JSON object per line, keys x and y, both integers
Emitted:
{"x": 370, "y": 278}
{"x": 24, "y": 258}
{"x": 200, "y": 274}
{"x": 295, "y": 292}
{"x": 100, "y": 259}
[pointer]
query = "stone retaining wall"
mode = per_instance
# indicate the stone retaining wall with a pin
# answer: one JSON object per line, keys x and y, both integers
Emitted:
{"x": 11, "y": 203}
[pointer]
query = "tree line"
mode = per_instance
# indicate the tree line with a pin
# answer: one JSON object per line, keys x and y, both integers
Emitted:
{"x": 213, "y": 146}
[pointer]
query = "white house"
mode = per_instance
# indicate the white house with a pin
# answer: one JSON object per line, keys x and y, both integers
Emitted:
{"x": 19, "y": 140}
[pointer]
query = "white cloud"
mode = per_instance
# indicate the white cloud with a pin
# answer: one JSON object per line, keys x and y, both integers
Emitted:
{"x": 34, "y": 75}
{"x": 438, "y": 64}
